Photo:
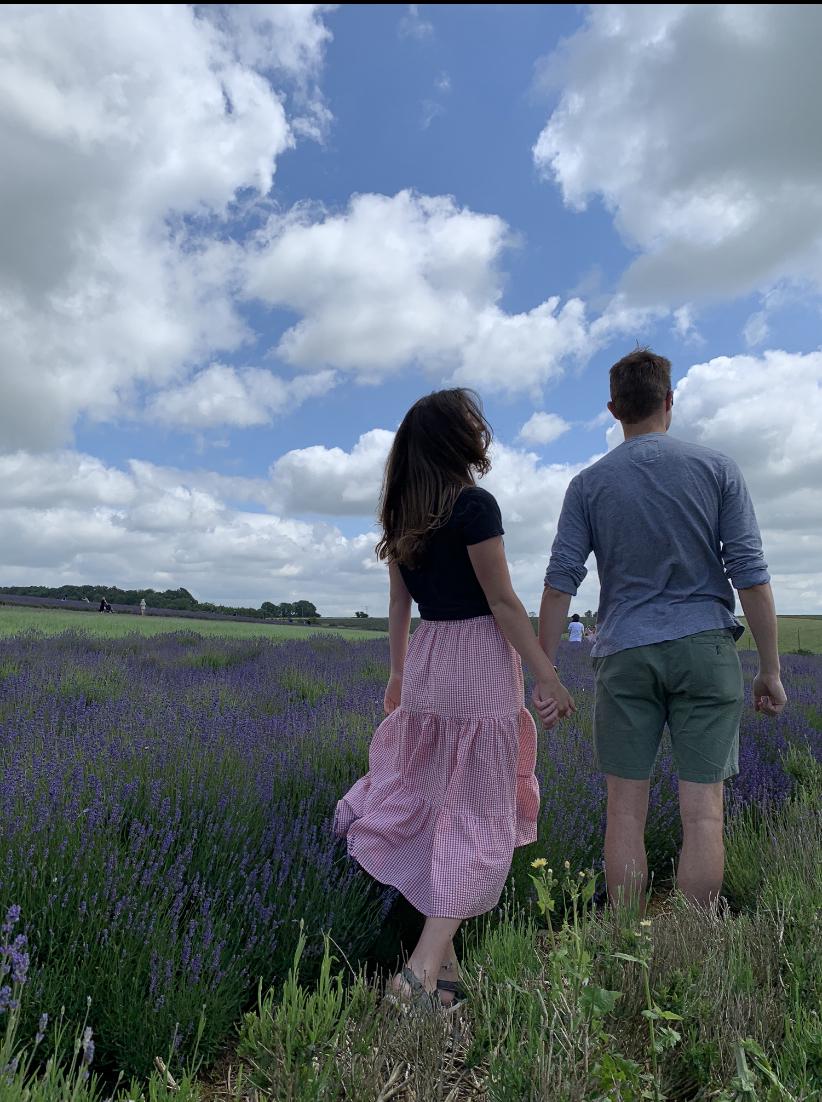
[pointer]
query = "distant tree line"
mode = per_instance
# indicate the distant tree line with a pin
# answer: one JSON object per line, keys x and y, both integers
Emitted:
{"x": 169, "y": 598}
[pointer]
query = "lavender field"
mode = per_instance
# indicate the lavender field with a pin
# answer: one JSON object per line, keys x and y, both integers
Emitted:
{"x": 165, "y": 806}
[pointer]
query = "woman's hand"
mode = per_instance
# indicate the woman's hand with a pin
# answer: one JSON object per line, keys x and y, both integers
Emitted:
{"x": 393, "y": 692}
{"x": 552, "y": 697}
{"x": 546, "y": 710}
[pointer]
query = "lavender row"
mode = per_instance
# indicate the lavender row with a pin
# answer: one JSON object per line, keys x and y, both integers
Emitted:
{"x": 165, "y": 807}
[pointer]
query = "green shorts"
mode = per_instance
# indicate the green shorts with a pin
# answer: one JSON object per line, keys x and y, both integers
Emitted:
{"x": 692, "y": 684}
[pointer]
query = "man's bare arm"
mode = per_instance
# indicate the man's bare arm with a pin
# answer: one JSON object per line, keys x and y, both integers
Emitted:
{"x": 553, "y": 616}
{"x": 760, "y": 616}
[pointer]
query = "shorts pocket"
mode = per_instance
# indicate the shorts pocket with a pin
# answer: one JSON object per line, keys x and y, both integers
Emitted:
{"x": 721, "y": 638}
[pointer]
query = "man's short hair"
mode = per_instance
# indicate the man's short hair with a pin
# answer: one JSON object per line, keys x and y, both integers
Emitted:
{"x": 640, "y": 382}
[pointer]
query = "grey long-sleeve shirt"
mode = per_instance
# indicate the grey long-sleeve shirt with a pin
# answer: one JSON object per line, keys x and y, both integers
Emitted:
{"x": 669, "y": 523}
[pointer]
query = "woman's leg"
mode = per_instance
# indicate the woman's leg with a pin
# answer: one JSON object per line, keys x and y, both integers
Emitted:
{"x": 449, "y": 971}
{"x": 430, "y": 952}
{"x": 450, "y": 967}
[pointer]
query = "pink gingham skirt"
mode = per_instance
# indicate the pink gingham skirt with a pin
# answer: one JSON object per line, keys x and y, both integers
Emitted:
{"x": 450, "y": 790}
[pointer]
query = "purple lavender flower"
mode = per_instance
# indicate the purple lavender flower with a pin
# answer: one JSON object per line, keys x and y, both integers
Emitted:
{"x": 169, "y": 839}
{"x": 41, "y": 1028}
{"x": 12, "y": 918}
{"x": 88, "y": 1046}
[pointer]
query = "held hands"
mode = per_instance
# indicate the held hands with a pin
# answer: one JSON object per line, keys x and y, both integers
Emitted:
{"x": 391, "y": 701}
{"x": 553, "y": 702}
{"x": 769, "y": 696}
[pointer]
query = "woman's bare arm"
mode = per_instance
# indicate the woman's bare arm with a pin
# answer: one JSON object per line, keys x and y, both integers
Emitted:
{"x": 491, "y": 569}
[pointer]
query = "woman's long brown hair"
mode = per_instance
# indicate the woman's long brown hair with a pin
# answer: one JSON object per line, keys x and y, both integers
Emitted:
{"x": 442, "y": 442}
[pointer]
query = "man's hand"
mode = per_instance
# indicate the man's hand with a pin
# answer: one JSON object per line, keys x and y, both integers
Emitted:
{"x": 768, "y": 694}
{"x": 393, "y": 692}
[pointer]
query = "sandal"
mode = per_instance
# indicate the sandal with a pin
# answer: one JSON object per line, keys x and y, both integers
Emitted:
{"x": 419, "y": 999}
{"x": 455, "y": 988}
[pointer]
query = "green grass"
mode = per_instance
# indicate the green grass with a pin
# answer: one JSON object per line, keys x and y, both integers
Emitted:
{"x": 581, "y": 1003}
{"x": 51, "y": 621}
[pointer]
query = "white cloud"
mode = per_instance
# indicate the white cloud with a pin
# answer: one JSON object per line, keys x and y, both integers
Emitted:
{"x": 128, "y": 133}
{"x": 413, "y": 280}
{"x": 433, "y": 106}
{"x": 756, "y": 330}
{"x": 76, "y": 520}
{"x": 697, "y": 125}
{"x": 602, "y": 418}
{"x": 543, "y": 428}
{"x": 330, "y": 480}
{"x": 765, "y": 412}
{"x": 685, "y": 325}
{"x": 60, "y": 478}
{"x": 222, "y": 395}
{"x": 412, "y": 24}
{"x": 335, "y": 482}
{"x": 431, "y": 109}
{"x": 69, "y": 517}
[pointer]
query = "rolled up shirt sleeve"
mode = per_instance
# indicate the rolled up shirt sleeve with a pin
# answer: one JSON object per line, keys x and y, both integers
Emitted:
{"x": 572, "y": 543}
{"x": 739, "y": 537}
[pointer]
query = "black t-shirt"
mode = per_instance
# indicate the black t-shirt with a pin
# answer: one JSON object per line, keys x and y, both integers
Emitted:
{"x": 444, "y": 584}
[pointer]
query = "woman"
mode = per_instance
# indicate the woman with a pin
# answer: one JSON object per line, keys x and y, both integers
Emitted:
{"x": 450, "y": 789}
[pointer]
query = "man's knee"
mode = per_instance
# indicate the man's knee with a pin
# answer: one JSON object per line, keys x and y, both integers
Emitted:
{"x": 701, "y": 806}
{"x": 627, "y": 800}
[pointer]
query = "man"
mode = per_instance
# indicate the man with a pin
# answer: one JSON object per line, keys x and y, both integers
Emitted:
{"x": 669, "y": 523}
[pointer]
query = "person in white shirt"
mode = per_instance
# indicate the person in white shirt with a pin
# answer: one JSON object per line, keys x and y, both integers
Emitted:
{"x": 576, "y": 629}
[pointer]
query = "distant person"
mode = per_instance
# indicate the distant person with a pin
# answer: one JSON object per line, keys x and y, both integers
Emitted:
{"x": 576, "y": 629}
{"x": 451, "y": 789}
{"x": 591, "y": 633}
{"x": 104, "y": 605}
{"x": 142, "y": 606}
{"x": 672, "y": 528}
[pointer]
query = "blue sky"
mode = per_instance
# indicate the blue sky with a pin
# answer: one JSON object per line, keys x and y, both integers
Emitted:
{"x": 217, "y": 311}
{"x": 381, "y": 143}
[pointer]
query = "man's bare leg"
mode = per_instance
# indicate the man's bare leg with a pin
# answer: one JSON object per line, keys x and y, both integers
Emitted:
{"x": 626, "y": 866}
{"x": 702, "y": 861}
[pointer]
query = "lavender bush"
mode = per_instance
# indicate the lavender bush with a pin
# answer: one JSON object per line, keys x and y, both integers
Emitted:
{"x": 165, "y": 814}
{"x": 164, "y": 824}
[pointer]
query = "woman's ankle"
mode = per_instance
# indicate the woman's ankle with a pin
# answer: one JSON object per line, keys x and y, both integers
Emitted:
{"x": 426, "y": 972}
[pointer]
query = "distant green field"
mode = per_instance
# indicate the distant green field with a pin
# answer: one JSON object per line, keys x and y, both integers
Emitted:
{"x": 795, "y": 633}
{"x": 51, "y": 621}
{"x": 369, "y": 624}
